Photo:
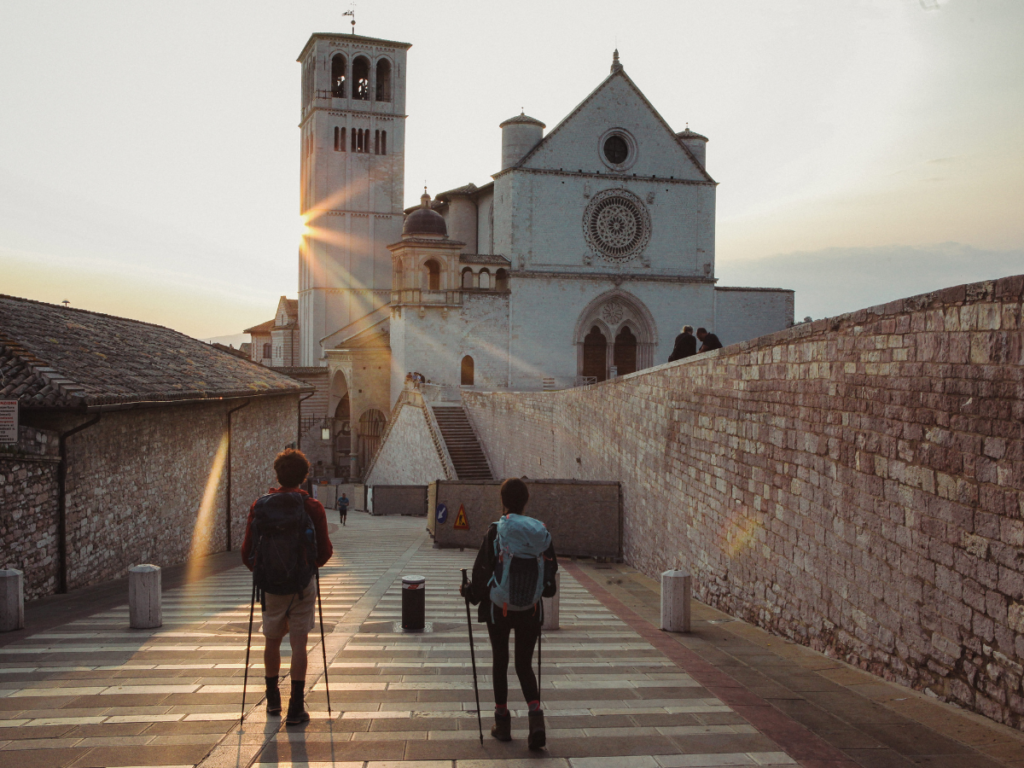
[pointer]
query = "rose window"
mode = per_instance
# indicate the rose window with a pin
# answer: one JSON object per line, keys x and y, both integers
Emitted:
{"x": 616, "y": 225}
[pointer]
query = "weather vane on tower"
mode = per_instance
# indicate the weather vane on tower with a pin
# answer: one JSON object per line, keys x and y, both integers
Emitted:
{"x": 351, "y": 12}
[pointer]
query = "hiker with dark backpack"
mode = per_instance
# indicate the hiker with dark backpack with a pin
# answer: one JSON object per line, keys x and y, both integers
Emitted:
{"x": 286, "y": 541}
{"x": 514, "y": 568}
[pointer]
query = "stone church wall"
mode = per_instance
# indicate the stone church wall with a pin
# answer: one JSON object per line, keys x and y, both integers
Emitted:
{"x": 147, "y": 485}
{"x": 28, "y": 509}
{"x": 855, "y": 484}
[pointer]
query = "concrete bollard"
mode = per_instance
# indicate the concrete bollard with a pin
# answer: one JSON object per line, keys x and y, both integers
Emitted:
{"x": 144, "y": 597}
{"x": 675, "y": 601}
{"x": 12, "y": 600}
{"x": 551, "y": 605}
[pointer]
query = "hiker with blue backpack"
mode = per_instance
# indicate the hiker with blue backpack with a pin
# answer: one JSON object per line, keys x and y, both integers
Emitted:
{"x": 286, "y": 542}
{"x": 514, "y": 568}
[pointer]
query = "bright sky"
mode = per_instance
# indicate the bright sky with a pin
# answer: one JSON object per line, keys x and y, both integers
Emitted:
{"x": 149, "y": 152}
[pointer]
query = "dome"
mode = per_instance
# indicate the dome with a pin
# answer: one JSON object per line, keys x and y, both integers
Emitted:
{"x": 688, "y": 134}
{"x": 522, "y": 119}
{"x": 424, "y": 221}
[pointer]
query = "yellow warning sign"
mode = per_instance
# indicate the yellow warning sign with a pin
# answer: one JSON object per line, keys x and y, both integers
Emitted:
{"x": 461, "y": 523}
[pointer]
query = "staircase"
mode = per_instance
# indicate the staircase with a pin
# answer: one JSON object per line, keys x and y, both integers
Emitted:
{"x": 467, "y": 455}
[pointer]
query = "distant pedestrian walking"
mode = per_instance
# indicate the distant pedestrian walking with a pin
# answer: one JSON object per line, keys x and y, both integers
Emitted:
{"x": 514, "y": 568}
{"x": 286, "y": 541}
{"x": 685, "y": 346}
{"x": 343, "y": 508}
{"x": 708, "y": 340}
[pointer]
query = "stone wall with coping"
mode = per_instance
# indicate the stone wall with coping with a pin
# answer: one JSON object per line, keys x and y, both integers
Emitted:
{"x": 855, "y": 484}
{"x": 408, "y": 455}
{"x": 28, "y": 509}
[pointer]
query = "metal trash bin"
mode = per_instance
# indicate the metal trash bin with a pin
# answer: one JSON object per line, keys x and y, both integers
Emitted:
{"x": 414, "y": 602}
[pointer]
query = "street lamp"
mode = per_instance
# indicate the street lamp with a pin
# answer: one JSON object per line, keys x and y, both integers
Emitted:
{"x": 325, "y": 430}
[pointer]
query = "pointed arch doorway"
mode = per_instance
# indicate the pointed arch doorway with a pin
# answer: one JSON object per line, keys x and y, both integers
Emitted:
{"x": 615, "y": 331}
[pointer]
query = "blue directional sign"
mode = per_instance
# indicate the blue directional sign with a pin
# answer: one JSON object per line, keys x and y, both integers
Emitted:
{"x": 442, "y": 513}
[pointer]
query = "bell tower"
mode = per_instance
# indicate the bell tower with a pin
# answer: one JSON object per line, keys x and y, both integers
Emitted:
{"x": 352, "y": 183}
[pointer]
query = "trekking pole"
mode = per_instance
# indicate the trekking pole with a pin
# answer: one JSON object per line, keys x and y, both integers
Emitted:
{"x": 472, "y": 656}
{"x": 323, "y": 645}
{"x": 248, "y": 645}
{"x": 540, "y": 651}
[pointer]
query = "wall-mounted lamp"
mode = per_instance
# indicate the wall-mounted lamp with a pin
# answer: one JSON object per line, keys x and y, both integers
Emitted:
{"x": 325, "y": 430}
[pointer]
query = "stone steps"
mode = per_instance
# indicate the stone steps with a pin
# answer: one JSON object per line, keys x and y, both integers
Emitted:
{"x": 463, "y": 446}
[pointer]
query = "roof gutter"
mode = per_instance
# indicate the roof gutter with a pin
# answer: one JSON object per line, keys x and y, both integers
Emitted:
{"x": 112, "y": 407}
{"x": 62, "y": 513}
{"x": 227, "y": 515}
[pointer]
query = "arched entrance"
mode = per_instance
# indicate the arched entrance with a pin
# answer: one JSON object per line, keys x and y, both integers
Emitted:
{"x": 615, "y": 329}
{"x": 595, "y": 354}
{"x": 371, "y": 428}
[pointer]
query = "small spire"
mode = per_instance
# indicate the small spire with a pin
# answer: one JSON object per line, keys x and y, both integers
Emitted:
{"x": 616, "y": 66}
{"x": 425, "y": 198}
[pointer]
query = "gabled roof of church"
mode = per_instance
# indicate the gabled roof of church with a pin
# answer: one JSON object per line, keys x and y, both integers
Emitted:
{"x": 264, "y": 328}
{"x": 377, "y": 335}
{"x": 59, "y": 357}
{"x": 617, "y": 71}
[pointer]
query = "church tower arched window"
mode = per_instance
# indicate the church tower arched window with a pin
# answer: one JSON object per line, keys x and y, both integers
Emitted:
{"x": 339, "y": 74}
{"x": 383, "y": 80}
{"x": 485, "y": 278}
{"x": 501, "y": 280}
{"x": 433, "y": 275}
{"x": 468, "y": 371}
{"x": 361, "y": 79}
{"x": 467, "y": 278}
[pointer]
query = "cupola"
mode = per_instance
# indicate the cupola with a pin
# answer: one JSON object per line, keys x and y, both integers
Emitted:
{"x": 696, "y": 143}
{"x": 424, "y": 221}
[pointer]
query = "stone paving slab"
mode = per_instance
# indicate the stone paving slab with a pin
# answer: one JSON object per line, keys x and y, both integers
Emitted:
{"x": 89, "y": 692}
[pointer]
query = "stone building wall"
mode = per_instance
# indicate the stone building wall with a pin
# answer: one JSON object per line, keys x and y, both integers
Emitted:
{"x": 854, "y": 484}
{"x": 28, "y": 509}
{"x": 746, "y": 313}
{"x": 147, "y": 485}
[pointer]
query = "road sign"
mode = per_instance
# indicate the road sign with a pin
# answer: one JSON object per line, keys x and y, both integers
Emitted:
{"x": 461, "y": 523}
{"x": 442, "y": 513}
{"x": 8, "y": 421}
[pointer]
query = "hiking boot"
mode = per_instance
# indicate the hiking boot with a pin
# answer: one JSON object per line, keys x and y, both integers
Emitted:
{"x": 297, "y": 714}
{"x": 273, "y": 697}
{"x": 502, "y": 728}
{"x": 537, "y": 738}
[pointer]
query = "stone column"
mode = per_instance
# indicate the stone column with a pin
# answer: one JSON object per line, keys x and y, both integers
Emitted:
{"x": 12, "y": 600}
{"x": 144, "y": 597}
{"x": 551, "y": 605}
{"x": 675, "y": 601}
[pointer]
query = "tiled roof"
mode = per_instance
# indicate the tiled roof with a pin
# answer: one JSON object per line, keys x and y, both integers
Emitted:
{"x": 483, "y": 258}
{"x": 57, "y": 357}
{"x": 266, "y": 327}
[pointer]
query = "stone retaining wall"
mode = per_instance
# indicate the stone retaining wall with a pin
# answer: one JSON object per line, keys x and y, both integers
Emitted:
{"x": 854, "y": 484}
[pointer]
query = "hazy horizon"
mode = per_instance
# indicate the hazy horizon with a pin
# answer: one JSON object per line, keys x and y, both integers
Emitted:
{"x": 149, "y": 163}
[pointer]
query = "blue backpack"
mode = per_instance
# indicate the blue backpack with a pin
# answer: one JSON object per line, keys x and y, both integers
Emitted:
{"x": 518, "y": 579}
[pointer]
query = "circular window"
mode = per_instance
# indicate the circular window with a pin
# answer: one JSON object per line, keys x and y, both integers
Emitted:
{"x": 616, "y": 225}
{"x": 616, "y": 149}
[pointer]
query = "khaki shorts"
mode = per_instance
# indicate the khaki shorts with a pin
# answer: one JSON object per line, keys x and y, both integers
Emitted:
{"x": 288, "y": 615}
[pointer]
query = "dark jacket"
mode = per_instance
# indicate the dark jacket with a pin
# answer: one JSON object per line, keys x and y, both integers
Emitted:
{"x": 483, "y": 569}
{"x": 710, "y": 342}
{"x": 315, "y": 510}
{"x": 686, "y": 345}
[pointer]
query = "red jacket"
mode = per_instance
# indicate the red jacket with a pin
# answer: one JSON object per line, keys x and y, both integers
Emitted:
{"x": 316, "y": 513}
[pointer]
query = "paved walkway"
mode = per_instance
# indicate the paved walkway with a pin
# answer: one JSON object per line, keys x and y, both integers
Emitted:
{"x": 89, "y": 692}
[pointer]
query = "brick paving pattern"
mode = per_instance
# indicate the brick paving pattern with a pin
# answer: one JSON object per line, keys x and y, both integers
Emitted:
{"x": 91, "y": 693}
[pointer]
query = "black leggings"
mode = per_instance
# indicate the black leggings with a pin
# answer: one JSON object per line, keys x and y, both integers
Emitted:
{"x": 527, "y": 628}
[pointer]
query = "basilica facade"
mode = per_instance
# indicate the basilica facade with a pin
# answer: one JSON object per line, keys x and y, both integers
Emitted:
{"x": 579, "y": 260}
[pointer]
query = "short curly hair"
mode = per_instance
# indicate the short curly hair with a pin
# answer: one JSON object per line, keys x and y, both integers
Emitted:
{"x": 514, "y": 495}
{"x": 291, "y": 467}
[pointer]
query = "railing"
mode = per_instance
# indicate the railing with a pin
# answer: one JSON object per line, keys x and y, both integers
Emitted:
{"x": 585, "y": 381}
{"x": 440, "y": 393}
{"x": 451, "y": 298}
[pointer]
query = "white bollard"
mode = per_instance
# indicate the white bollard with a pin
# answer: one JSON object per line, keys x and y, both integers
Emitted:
{"x": 12, "y": 600}
{"x": 551, "y": 605}
{"x": 144, "y": 597}
{"x": 675, "y": 601}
